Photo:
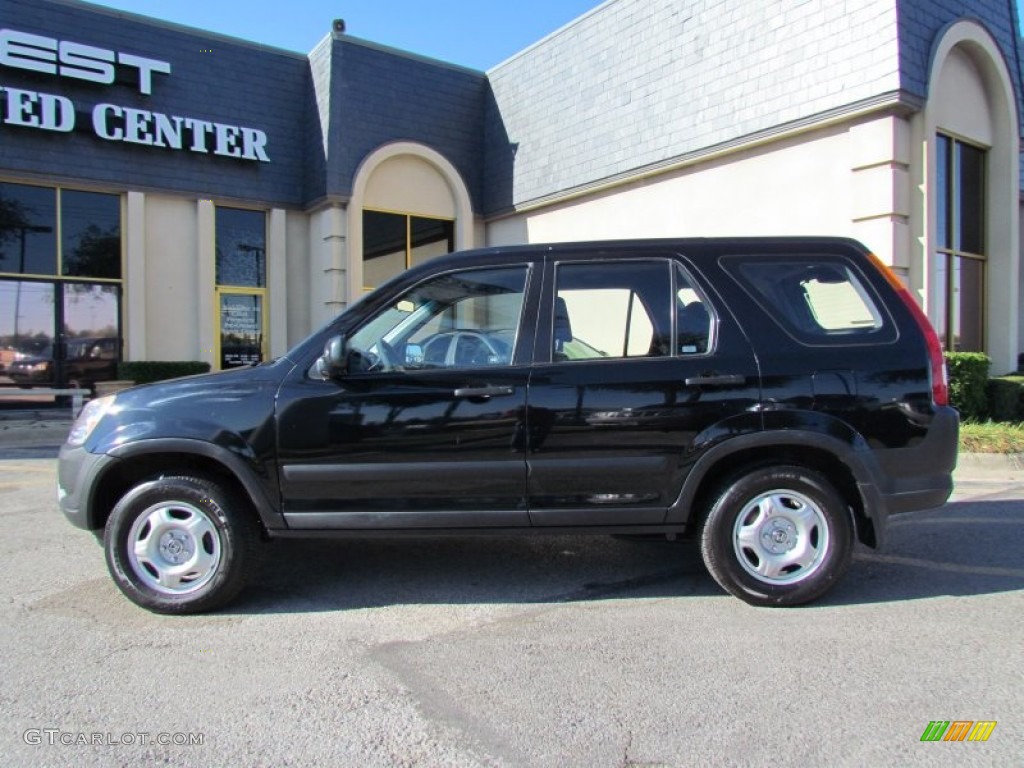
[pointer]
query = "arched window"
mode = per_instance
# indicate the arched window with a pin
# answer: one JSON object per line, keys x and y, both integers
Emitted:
{"x": 972, "y": 136}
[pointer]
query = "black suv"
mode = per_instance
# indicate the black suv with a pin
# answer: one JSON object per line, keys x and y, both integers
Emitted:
{"x": 775, "y": 398}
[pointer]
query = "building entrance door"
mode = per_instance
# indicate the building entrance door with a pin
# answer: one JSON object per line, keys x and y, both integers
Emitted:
{"x": 241, "y": 327}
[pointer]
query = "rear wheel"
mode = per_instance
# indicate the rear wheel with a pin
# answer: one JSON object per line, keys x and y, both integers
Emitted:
{"x": 181, "y": 544}
{"x": 778, "y": 536}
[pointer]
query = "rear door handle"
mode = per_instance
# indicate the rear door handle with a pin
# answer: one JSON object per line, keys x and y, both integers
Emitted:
{"x": 483, "y": 392}
{"x": 716, "y": 380}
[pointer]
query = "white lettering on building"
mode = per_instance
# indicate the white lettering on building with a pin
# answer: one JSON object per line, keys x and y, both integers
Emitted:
{"x": 140, "y": 126}
{"x": 50, "y": 56}
{"x": 46, "y": 111}
{"x": 110, "y": 122}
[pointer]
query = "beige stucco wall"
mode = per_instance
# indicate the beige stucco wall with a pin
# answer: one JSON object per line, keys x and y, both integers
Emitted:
{"x": 825, "y": 182}
{"x": 299, "y": 316}
{"x": 170, "y": 298}
{"x": 409, "y": 184}
{"x": 171, "y": 274}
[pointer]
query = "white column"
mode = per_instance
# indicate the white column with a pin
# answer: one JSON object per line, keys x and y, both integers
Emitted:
{"x": 328, "y": 272}
{"x": 881, "y": 189}
{"x": 277, "y": 281}
{"x": 134, "y": 313}
{"x": 354, "y": 253}
{"x": 206, "y": 281}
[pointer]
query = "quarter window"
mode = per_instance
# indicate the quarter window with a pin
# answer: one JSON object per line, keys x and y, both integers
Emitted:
{"x": 817, "y": 300}
{"x": 693, "y": 317}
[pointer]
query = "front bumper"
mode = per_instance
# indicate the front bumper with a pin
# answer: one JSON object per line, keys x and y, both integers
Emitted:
{"x": 78, "y": 473}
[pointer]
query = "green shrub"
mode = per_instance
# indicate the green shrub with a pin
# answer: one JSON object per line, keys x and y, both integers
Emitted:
{"x": 146, "y": 371}
{"x": 991, "y": 437}
{"x": 1006, "y": 398}
{"x": 968, "y": 376}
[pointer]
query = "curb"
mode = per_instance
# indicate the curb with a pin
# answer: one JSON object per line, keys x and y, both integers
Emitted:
{"x": 1008, "y": 467}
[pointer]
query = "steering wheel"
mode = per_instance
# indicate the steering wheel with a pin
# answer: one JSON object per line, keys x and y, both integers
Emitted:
{"x": 481, "y": 355}
{"x": 383, "y": 359}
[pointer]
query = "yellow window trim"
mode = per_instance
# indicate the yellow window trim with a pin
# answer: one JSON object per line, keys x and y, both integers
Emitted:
{"x": 230, "y": 290}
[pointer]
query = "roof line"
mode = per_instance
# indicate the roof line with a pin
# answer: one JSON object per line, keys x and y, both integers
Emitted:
{"x": 407, "y": 54}
{"x": 565, "y": 27}
{"x": 171, "y": 25}
{"x": 898, "y": 99}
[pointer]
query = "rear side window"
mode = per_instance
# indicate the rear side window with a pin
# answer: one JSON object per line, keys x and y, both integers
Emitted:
{"x": 612, "y": 310}
{"x": 816, "y": 299}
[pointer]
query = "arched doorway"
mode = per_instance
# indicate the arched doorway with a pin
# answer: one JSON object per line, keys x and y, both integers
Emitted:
{"x": 409, "y": 204}
{"x": 972, "y": 238}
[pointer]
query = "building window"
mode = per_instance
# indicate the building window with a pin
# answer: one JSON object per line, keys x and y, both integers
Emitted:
{"x": 960, "y": 256}
{"x": 241, "y": 247}
{"x": 241, "y": 253}
{"x": 393, "y": 242}
{"x": 60, "y": 286}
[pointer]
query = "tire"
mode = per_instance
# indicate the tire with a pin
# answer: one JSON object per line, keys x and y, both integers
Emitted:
{"x": 181, "y": 545}
{"x": 777, "y": 536}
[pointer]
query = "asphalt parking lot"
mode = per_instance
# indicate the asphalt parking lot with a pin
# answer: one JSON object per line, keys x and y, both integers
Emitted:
{"x": 564, "y": 651}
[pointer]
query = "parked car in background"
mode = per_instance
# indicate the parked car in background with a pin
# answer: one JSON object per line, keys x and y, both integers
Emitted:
{"x": 776, "y": 399}
{"x": 88, "y": 360}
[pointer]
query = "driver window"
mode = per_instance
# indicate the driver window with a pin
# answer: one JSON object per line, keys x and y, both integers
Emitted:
{"x": 456, "y": 320}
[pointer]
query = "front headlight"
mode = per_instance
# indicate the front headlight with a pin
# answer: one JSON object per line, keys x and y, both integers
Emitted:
{"x": 88, "y": 419}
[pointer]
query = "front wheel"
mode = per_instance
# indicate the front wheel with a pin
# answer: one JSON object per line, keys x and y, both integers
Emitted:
{"x": 181, "y": 544}
{"x": 777, "y": 536}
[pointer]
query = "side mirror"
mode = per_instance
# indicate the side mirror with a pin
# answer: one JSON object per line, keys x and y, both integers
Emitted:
{"x": 333, "y": 362}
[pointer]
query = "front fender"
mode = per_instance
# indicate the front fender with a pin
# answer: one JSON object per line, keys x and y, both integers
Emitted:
{"x": 258, "y": 484}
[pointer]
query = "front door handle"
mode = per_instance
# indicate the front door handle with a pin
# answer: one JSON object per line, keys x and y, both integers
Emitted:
{"x": 483, "y": 392}
{"x": 716, "y": 380}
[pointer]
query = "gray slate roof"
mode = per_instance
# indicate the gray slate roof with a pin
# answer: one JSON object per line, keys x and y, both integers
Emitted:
{"x": 638, "y": 83}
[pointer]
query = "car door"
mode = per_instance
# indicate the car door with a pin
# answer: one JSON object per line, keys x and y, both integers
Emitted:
{"x": 426, "y": 429}
{"x": 637, "y": 367}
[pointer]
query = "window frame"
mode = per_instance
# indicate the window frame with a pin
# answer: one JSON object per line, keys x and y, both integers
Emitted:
{"x": 58, "y": 237}
{"x": 949, "y": 198}
{"x": 408, "y": 238}
{"x": 671, "y": 264}
{"x": 228, "y": 289}
{"x": 61, "y": 284}
{"x": 885, "y": 333}
{"x": 407, "y": 326}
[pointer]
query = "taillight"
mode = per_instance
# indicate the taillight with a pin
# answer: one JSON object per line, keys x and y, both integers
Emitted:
{"x": 937, "y": 361}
